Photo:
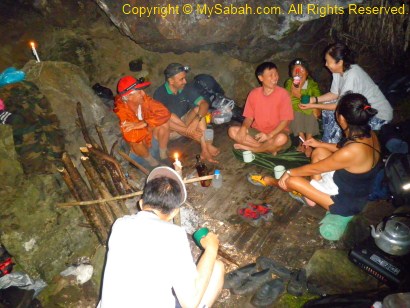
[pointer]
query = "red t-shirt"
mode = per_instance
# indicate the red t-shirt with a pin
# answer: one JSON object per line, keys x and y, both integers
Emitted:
{"x": 268, "y": 111}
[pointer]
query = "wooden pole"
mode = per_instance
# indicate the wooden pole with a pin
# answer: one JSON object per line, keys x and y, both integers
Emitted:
{"x": 131, "y": 195}
{"x": 85, "y": 194}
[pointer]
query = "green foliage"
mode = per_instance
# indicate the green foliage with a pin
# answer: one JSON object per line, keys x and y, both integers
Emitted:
{"x": 289, "y": 159}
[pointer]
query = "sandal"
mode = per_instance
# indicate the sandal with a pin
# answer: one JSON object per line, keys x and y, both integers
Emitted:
{"x": 298, "y": 197}
{"x": 264, "y": 210}
{"x": 256, "y": 179}
{"x": 250, "y": 216}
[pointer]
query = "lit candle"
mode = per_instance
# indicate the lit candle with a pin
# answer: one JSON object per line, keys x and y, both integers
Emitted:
{"x": 33, "y": 48}
{"x": 177, "y": 164}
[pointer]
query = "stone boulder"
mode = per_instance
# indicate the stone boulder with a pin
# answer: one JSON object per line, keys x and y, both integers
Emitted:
{"x": 334, "y": 273}
{"x": 248, "y": 30}
{"x": 42, "y": 238}
{"x": 64, "y": 85}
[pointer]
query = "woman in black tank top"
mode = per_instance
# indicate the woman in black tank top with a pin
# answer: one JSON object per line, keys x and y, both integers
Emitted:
{"x": 354, "y": 161}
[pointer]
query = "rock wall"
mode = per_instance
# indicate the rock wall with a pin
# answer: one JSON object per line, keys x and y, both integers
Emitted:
{"x": 42, "y": 238}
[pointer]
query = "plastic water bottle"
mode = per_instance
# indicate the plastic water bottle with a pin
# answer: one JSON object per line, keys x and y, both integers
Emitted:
{"x": 217, "y": 179}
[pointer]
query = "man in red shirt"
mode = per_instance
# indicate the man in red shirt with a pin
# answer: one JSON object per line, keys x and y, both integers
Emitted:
{"x": 267, "y": 113}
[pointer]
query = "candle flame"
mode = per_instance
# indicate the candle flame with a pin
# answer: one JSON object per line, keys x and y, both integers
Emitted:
{"x": 176, "y": 156}
{"x": 32, "y": 44}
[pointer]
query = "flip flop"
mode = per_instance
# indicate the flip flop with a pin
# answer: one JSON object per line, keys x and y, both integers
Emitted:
{"x": 299, "y": 197}
{"x": 256, "y": 179}
{"x": 250, "y": 216}
{"x": 264, "y": 210}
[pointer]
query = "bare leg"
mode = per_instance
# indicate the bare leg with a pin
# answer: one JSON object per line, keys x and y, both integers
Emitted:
{"x": 207, "y": 149}
{"x": 215, "y": 285}
{"x": 317, "y": 155}
{"x": 140, "y": 149}
{"x": 161, "y": 133}
{"x": 303, "y": 186}
{"x": 271, "y": 146}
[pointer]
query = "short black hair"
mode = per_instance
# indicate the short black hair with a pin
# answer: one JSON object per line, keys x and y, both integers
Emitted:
{"x": 357, "y": 111}
{"x": 264, "y": 66}
{"x": 340, "y": 51}
{"x": 163, "y": 194}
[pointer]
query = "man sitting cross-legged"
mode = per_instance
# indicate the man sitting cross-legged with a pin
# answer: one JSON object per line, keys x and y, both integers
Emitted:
{"x": 141, "y": 118}
{"x": 188, "y": 108}
{"x": 149, "y": 259}
{"x": 267, "y": 113}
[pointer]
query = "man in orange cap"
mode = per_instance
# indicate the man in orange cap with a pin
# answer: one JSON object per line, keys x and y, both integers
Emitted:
{"x": 188, "y": 108}
{"x": 141, "y": 118}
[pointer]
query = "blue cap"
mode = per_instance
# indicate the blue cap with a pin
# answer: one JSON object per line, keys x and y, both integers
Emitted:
{"x": 217, "y": 171}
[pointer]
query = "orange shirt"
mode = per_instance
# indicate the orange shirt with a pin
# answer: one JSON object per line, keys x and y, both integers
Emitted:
{"x": 268, "y": 111}
{"x": 153, "y": 113}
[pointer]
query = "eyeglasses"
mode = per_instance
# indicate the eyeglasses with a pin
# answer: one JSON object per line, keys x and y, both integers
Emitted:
{"x": 139, "y": 81}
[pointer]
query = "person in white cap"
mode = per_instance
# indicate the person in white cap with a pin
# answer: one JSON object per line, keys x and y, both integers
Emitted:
{"x": 149, "y": 261}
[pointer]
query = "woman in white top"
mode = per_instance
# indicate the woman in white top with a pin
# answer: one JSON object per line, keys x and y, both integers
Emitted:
{"x": 348, "y": 76}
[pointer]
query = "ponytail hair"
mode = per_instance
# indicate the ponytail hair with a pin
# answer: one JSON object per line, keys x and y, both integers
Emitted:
{"x": 357, "y": 112}
{"x": 340, "y": 51}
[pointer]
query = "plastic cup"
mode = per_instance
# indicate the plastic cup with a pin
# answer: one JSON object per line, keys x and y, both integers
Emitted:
{"x": 279, "y": 170}
{"x": 305, "y": 99}
{"x": 209, "y": 135}
{"x": 199, "y": 234}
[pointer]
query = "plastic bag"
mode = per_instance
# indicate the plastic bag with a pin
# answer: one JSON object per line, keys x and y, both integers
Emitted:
{"x": 11, "y": 75}
{"x": 83, "y": 272}
{"x": 221, "y": 116}
{"x": 23, "y": 281}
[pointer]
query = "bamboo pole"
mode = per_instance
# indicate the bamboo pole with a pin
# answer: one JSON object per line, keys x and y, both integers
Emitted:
{"x": 134, "y": 194}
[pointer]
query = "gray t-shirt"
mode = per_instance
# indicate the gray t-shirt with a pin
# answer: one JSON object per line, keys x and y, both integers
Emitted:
{"x": 355, "y": 79}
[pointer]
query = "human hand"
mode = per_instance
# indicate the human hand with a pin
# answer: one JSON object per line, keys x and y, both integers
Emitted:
{"x": 312, "y": 143}
{"x": 129, "y": 126}
{"x": 261, "y": 137}
{"x": 282, "y": 181}
{"x": 210, "y": 241}
{"x": 296, "y": 92}
{"x": 306, "y": 106}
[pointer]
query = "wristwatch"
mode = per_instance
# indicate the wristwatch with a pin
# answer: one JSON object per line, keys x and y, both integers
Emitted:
{"x": 288, "y": 172}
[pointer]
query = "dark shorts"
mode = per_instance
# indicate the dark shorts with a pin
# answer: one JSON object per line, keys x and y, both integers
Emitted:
{"x": 345, "y": 206}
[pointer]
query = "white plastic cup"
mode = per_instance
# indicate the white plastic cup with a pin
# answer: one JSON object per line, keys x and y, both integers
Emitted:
{"x": 248, "y": 156}
{"x": 279, "y": 170}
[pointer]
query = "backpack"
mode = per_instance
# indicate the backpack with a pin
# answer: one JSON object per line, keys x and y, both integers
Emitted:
{"x": 211, "y": 90}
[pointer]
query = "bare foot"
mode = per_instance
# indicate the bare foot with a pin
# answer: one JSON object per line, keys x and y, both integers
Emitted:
{"x": 209, "y": 158}
{"x": 205, "y": 155}
{"x": 310, "y": 202}
{"x": 239, "y": 146}
{"x": 214, "y": 151}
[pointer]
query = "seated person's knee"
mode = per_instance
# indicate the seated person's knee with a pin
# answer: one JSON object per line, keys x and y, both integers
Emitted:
{"x": 281, "y": 139}
{"x": 232, "y": 131}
